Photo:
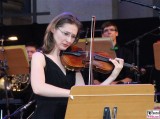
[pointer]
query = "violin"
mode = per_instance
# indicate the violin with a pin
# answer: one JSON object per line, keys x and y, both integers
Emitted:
{"x": 77, "y": 59}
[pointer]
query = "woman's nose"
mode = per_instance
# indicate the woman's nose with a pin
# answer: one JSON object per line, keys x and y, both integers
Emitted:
{"x": 69, "y": 39}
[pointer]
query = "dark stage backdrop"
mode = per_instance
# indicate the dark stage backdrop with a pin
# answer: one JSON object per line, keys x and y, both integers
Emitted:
{"x": 129, "y": 30}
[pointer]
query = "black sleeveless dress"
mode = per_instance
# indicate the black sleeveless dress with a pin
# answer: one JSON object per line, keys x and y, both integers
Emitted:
{"x": 53, "y": 107}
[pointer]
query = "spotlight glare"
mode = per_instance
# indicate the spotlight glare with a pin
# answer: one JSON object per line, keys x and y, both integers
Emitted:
{"x": 13, "y": 38}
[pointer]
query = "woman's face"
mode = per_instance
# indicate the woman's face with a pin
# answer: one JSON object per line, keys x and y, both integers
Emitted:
{"x": 65, "y": 36}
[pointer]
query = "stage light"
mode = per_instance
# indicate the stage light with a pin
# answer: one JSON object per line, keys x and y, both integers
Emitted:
{"x": 12, "y": 38}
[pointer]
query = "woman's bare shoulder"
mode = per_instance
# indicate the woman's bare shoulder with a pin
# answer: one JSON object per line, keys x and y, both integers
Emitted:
{"x": 38, "y": 55}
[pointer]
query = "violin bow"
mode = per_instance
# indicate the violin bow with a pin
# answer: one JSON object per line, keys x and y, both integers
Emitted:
{"x": 90, "y": 82}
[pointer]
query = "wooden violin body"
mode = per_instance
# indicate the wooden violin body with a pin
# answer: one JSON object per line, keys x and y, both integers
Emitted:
{"x": 77, "y": 59}
{"x": 73, "y": 60}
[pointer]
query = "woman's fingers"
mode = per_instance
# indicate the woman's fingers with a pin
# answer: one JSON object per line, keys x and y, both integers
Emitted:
{"x": 118, "y": 62}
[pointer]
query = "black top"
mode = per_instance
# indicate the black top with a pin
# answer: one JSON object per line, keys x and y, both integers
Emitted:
{"x": 54, "y": 107}
{"x": 121, "y": 52}
{"x": 127, "y": 55}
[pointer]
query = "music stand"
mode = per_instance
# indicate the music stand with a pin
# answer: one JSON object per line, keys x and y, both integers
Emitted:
{"x": 156, "y": 49}
{"x": 17, "y": 61}
{"x": 100, "y": 45}
{"x": 14, "y": 61}
{"x": 132, "y": 101}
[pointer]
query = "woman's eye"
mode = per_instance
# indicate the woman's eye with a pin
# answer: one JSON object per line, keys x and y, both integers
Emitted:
{"x": 66, "y": 34}
{"x": 73, "y": 36}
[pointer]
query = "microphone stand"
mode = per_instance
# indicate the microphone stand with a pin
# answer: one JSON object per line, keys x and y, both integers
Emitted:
{"x": 19, "y": 110}
{"x": 137, "y": 40}
{"x": 142, "y": 4}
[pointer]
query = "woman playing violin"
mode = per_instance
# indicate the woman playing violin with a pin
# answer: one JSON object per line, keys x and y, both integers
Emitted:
{"x": 50, "y": 81}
